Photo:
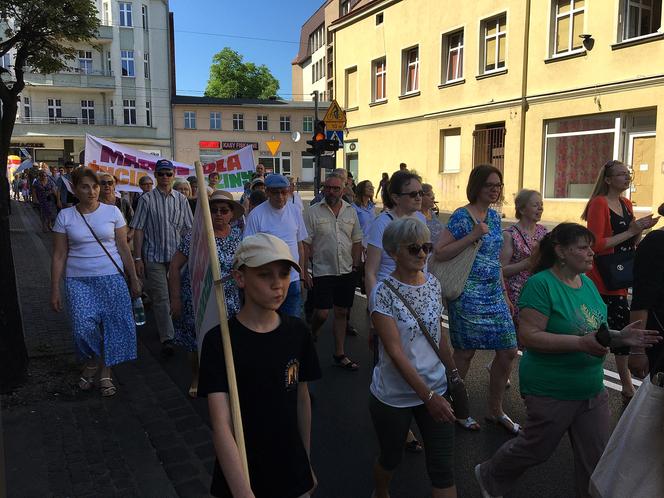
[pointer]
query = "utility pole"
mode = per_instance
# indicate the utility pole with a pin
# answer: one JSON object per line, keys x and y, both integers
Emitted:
{"x": 317, "y": 151}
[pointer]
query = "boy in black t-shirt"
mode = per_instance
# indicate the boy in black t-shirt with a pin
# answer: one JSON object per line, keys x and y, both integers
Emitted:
{"x": 274, "y": 358}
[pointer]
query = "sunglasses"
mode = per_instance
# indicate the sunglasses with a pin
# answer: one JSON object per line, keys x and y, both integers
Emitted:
{"x": 104, "y": 183}
{"x": 414, "y": 249}
{"x": 165, "y": 173}
{"x": 220, "y": 210}
{"x": 412, "y": 194}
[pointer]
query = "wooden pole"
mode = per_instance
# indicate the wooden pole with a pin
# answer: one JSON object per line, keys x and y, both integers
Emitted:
{"x": 236, "y": 416}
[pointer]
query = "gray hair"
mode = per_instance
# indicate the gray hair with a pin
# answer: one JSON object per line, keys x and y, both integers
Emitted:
{"x": 521, "y": 200}
{"x": 181, "y": 181}
{"x": 404, "y": 231}
{"x": 341, "y": 172}
{"x": 335, "y": 175}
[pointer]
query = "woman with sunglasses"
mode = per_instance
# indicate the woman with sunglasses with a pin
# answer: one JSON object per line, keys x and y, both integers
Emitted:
{"x": 480, "y": 318}
{"x": 610, "y": 217}
{"x": 224, "y": 210}
{"x": 107, "y": 195}
{"x": 409, "y": 381}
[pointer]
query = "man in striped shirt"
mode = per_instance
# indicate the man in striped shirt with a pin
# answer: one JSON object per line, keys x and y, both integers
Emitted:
{"x": 162, "y": 216}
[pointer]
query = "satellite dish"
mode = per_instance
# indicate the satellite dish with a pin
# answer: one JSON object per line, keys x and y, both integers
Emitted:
{"x": 295, "y": 136}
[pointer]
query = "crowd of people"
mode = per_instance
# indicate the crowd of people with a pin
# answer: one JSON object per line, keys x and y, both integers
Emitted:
{"x": 553, "y": 295}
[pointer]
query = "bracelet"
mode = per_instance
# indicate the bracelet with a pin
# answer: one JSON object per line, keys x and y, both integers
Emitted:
{"x": 138, "y": 259}
{"x": 636, "y": 354}
{"x": 430, "y": 395}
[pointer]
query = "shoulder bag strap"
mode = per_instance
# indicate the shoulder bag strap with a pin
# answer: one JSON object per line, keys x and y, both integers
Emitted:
{"x": 525, "y": 241}
{"x": 102, "y": 245}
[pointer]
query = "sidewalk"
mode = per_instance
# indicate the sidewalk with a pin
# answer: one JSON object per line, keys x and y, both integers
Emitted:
{"x": 146, "y": 441}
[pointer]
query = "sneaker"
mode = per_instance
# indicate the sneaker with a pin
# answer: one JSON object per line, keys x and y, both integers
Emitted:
{"x": 478, "y": 476}
{"x": 167, "y": 349}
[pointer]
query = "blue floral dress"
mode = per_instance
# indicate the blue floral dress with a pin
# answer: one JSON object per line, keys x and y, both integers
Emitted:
{"x": 185, "y": 329}
{"x": 480, "y": 317}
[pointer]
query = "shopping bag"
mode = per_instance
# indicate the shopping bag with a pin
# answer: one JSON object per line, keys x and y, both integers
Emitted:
{"x": 633, "y": 462}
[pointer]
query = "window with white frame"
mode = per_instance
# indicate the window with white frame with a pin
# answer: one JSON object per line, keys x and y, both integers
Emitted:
{"x": 378, "y": 80}
{"x": 575, "y": 150}
{"x": 129, "y": 111}
{"x": 215, "y": 120}
{"x": 317, "y": 39}
{"x": 351, "y": 88}
{"x": 284, "y": 123}
{"x": 308, "y": 124}
{"x": 106, "y": 16}
{"x": 568, "y": 17}
{"x": 109, "y": 63}
{"x": 127, "y": 60}
{"x": 410, "y": 80}
{"x": 238, "y": 122}
{"x": 125, "y": 14}
{"x": 88, "y": 112}
{"x": 286, "y": 163}
{"x": 148, "y": 113}
{"x": 111, "y": 112}
{"x": 144, "y": 16}
{"x": 450, "y": 151}
{"x": 453, "y": 57}
{"x": 54, "y": 107}
{"x": 189, "y": 120}
{"x": 261, "y": 122}
{"x": 146, "y": 65}
{"x": 344, "y": 7}
{"x": 494, "y": 44}
{"x": 27, "y": 109}
{"x": 85, "y": 61}
{"x": 639, "y": 18}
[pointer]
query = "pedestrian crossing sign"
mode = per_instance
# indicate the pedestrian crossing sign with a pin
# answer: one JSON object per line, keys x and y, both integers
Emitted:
{"x": 336, "y": 135}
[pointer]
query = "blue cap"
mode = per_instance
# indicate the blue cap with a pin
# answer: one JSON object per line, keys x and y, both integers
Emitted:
{"x": 277, "y": 181}
{"x": 163, "y": 164}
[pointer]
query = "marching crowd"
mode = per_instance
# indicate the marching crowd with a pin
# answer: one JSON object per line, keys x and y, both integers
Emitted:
{"x": 557, "y": 296}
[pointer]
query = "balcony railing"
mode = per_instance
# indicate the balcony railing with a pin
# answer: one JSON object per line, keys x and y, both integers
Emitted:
{"x": 64, "y": 120}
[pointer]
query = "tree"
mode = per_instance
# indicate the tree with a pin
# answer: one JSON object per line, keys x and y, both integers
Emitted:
{"x": 40, "y": 34}
{"x": 231, "y": 78}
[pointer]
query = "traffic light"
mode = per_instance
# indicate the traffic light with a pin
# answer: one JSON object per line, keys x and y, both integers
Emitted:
{"x": 319, "y": 144}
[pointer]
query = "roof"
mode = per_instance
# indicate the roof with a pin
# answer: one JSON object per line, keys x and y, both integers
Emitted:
{"x": 309, "y": 26}
{"x": 195, "y": 100}
{"x": 362, "y": 6}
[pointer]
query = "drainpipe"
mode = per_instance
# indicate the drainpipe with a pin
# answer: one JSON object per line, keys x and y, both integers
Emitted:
{"x": 524, "y": 95}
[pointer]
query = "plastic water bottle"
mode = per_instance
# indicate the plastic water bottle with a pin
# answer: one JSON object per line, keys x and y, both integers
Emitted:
{"x": 139, "y": 311}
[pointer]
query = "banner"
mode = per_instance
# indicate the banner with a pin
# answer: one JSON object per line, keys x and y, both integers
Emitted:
{"x": 126, "y": 164}
{"x": 234, "y": 169}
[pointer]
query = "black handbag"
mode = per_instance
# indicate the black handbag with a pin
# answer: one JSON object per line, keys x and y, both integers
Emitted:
{"x": 617, "y": 269}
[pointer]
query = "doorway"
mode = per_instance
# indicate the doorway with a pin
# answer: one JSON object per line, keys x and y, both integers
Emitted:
{"x": 641, "y": 156}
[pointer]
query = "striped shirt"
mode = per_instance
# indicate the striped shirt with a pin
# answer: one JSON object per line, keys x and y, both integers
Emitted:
{"x": 164, "y": 218}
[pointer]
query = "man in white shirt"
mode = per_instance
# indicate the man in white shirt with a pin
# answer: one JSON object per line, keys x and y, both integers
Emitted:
{"x": 282, "y": 219}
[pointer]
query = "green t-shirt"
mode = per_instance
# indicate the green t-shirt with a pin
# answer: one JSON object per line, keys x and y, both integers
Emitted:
{"x": 570, "y": 311}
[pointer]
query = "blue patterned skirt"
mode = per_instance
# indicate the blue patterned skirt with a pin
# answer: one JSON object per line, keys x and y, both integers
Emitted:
{"x": 101, "y": 317}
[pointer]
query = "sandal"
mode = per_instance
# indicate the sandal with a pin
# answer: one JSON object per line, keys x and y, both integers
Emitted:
{"x": 413, "y": 446}
{"x": 107, "y": 390}
{"x": 87, "y": 382}
{"x": 508, "y": 384}
{"x": 345, "y": 362}
{"x": 505, "y": 422}
{"x": 469, "y": 424}
{"x": 193, "y": 392}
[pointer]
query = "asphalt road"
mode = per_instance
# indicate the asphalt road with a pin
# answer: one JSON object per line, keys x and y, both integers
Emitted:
{"x": 344, "y": 445}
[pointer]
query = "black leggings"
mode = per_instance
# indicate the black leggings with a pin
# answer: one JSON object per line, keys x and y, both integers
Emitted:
{"x": 392, "y": 424}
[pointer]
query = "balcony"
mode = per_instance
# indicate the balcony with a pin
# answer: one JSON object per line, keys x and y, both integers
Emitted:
{"x": 105, "y": 34}
{"x": 75, "y": 78}
{"x": 64, "y": 120}
{"x": 68, "y": 127}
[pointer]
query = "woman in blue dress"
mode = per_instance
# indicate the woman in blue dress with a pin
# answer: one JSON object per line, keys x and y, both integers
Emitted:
{"x": 480, "y": 317}
{"x": 224, "y": 210}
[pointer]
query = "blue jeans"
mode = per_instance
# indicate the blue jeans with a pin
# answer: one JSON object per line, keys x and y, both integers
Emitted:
{"x": 292, "y": 305}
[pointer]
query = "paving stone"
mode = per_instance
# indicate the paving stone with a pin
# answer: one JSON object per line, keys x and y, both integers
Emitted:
{"x": 181, "y": 472}
{"x": 174, "y": 455}
{"x": 205, "y": 451}
{"x": 188, "y": 423}
{"x": 192, "y": 488}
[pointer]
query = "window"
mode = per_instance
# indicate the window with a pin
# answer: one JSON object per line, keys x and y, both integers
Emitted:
{"x": 575, "y": 150}
{"x": 317, "y": 39}
{"x": 5, "y": 61}
{"x": 109, "y": 65}
{"x": 489, "y": 145}
{"x": 286, "y": 163}
{"x": 127, "y": 58}
{"x": 26, "y": 107}
{"x": 640, "y": 18}
{"x": 379, "y": 71}
{"x": 144, "y": 16}
{"x": 308, "y": 124}
{"x": 215, "y": 121}
{"x": 284, "y": 123}
{"x": 88, "y": 112}
{"x": 146, "y": 65}
{"x": 450, "y": 151}
{"x": 411, "y": 70}
{"x": 54, "y": 109}
{"x": 261, "y": 122}
{"x": 148, "y": 113}
{"x": 568, "y": 18}
{"x": 453, "y": 57}
{"x": 111, "y": 113}
{"x": 379, "y": 19}
{"x": 344, "y": 7}
{"x": 85, "y": 61}
{"x": 238, "y": 122}
{"x": 494, "y": 46}
{"x": 351, "y": 88}
{"x": 129, "y": 108}
{"x": 106, "y": 17}
{"x": 189, "y": 120}
{"x": 125, "y": 14}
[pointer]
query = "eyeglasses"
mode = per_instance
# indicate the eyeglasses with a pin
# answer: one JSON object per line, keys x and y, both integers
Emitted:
{"x": 412, "y": 194}
{"x": 492, "y": 186}
{"x": 332, "y": 188}
{"x": 414, "y": 249}
{"x": 104, "y": 183}
{"x": 220, "y": 210}
{"x": 165, "y": 173}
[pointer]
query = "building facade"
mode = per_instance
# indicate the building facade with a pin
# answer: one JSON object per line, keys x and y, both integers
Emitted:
{"x": 547, "y": 91}
{"x": 207, "y": 128}
{"x": 118, "y": 89}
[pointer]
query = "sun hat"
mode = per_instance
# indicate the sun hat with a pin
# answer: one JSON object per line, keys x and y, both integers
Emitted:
{"x": 277, "y": 181}
{"x": 261, "y": 249}
{"x": 223, "y": 196}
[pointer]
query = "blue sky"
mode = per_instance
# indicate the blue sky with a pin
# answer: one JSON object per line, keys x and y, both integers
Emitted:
{"x": 264, "y": 19}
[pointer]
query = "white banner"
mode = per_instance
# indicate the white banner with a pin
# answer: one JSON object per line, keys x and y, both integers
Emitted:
{"x": 234, "y": 169}
{"x": 126, "y": 164}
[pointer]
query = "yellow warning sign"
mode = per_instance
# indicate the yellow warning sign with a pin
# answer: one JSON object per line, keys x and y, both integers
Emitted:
{"x": 273, "y": 146}
{"x": 335, "y": 117}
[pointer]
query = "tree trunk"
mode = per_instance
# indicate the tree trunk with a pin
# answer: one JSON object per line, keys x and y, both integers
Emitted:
{"x": 13, "y": 353}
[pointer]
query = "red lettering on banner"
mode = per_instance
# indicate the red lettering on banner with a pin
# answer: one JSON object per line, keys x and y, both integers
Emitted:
{"x": 220, "y": 165}
{"x": 208, "y": 168}
{"x": 233, "y": 162}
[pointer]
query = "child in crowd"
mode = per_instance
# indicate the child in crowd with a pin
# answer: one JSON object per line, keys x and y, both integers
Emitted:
{"x": 274, "y": 359}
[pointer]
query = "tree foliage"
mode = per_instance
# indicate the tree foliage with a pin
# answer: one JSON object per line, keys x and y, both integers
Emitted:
{"x": 231, "y": 77}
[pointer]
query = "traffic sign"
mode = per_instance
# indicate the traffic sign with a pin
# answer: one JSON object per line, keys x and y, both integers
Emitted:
{"x": 336, "y": 135}
{"x": 335, "y": 117}
{"x": 273, "y": 146}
